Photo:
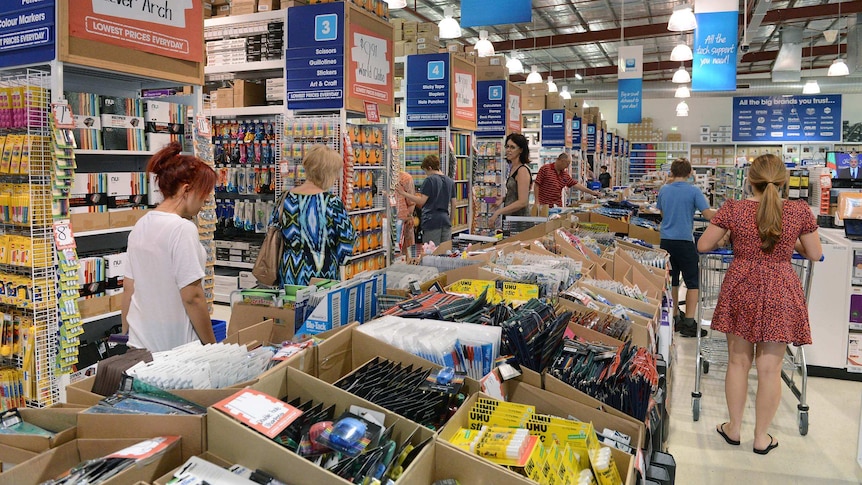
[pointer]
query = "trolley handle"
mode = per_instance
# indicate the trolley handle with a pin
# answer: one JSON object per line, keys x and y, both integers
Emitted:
{"x": 728, "y": 252}
{"x": 799, "y": 256}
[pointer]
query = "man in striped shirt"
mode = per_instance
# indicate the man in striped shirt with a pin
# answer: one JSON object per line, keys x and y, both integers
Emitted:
{"x": 551, "y": 179}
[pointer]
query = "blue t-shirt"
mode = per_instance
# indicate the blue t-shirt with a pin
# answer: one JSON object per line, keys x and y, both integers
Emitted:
{"x": 440, "y": 190}
{"x": 677, "y": 202}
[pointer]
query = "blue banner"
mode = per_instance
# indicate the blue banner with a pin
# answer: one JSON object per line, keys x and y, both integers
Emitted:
{"x": 609, "y": 143}
{"x": 714, "y": 64}
{"x": 428, "y": 86}
{"x": 553, "y": 128}
{"x": 629, "y": 95}
{"x": 591, "y": 137}
{"x": 475, "y": 13}
{"x": 27, "y": 32}
{"x": 314, "y": 64}
{"x": 787, "y": 118}
{"x": 491, "y": 108}
{"x": 577, "y": 132}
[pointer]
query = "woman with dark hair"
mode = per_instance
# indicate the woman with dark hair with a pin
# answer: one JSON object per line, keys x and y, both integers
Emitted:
{"x": 163, "y": 299}
{"x": 517, "y": 199}
{"x": 761, "y": 306}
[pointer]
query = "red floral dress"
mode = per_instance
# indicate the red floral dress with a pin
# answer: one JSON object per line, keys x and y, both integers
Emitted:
{"x": 761, "y": 298}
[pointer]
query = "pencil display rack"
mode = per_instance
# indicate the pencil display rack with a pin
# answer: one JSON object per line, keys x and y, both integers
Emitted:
{"x": 489, "y": 175}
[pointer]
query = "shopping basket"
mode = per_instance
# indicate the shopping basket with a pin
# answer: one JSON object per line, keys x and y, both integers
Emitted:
{"x": 712, "y": 348}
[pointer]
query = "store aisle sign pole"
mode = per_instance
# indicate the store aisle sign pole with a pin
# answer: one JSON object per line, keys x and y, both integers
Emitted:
{"x": 428, "y": 90}
{"x": 787, "y": 118}
{"x": 630, "y": 84}
{"x": 715, "y": 45}
{"x": 27, "y": 32}
{"x": 170, "y": 29}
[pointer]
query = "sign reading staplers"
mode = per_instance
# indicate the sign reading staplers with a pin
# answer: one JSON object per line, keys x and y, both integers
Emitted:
{"x": 170, "y": 28}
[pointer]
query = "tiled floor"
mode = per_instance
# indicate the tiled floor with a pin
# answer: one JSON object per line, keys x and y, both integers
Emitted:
{"x": 827, "y": 455}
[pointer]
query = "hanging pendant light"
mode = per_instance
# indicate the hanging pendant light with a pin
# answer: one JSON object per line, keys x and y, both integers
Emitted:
{"x": 681, "y": 76}
{"x": 682, "y": 19}
{"x": 564, "y": 93}
{"x": 514, "y": 65}
{"x": 838, "y": 68}
{"x": 396, "y": 4}
{"x": 578, "y": 76}
{"x": 680, "y": 53}
{"x": 534, "y": 77}
{"x": 682, "y": 92}
{"x": 552, "y": 86}
{"x": 682, "y": 109}
{"x": 449, "y": 27}
{"x": 484, "y": 48}
{"x": 811, "y": 87}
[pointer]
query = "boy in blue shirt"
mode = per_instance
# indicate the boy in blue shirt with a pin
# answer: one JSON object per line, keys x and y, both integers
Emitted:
{"x": 678, "y": 200}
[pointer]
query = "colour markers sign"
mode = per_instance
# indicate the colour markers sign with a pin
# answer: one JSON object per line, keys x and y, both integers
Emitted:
{"x": 27, "y": 32}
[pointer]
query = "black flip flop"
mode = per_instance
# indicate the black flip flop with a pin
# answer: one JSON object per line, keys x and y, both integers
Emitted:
{"x": 772, "y": 445}
{"x": 720, "y": 431}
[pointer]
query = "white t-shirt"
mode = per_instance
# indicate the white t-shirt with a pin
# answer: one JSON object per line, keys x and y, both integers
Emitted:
{"x": 164, "y": 256}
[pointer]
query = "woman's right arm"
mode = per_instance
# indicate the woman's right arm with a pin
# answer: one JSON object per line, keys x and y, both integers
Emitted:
{"x": 128, "y": 291}
{"x": 809, "y": 246}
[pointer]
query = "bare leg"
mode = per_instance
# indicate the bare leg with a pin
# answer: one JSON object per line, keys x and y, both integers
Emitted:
{"x": 675, "y": 293}
{"x": 769, "y": 357}
{"x": 740, "y": 355}
{"x": 691, "y": 299}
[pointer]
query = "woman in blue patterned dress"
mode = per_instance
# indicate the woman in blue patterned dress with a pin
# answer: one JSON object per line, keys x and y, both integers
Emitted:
{"x": 318, "y": 234}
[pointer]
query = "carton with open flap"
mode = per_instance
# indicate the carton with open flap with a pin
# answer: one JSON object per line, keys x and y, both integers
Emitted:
{"x": 61, "y": 459}
{"x": 61, "y": 421}
{"x": 244, "y": 314}
{"x": 235, "y": 442}
{"x": 548, "y": 403}
{"x": 207, "y": 456}
{"x": 650, "y": 324}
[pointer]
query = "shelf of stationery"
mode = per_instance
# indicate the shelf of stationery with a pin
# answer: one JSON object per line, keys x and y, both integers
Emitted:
{"x": 458, "y": 229}
{"x": 116, "y": 152}
{"x": 368, "y": 167}
{"x": 365, "y": 254}
{"x": 271, "y": 109}
{"x": 235, "y": 196}
{"x": 366, "y": 211}
{"x": 103, "y": 316}
{"x": 234, "y": 264}
{"x": 99, "y": 232}
{"x": 256, "y": 66}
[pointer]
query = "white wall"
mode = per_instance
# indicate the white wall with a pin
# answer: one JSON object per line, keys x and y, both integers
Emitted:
{"x": 702, "y": 111}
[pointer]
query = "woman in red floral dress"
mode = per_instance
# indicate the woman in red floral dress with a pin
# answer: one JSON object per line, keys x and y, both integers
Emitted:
{"x": 761, "y": 306}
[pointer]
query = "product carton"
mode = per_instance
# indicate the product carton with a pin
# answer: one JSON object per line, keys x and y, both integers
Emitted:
{"x": 235, "y": 442}
{"x": 89, "y": 221}
{"x": 268, "y": 5}
{"x": 58, "y": 420}
{"x": 215, "y": 460}
{"x": 54, "y": 463}
{"x": 243, "y": 7}
{"x": 137, "y": 427}
{"x": 645, "y": 234}
{"x": 125, "y": 217}
{"x": 247, "y": 93}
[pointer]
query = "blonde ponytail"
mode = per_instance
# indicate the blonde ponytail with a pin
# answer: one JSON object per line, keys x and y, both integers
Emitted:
{"x": 766, "y": 175}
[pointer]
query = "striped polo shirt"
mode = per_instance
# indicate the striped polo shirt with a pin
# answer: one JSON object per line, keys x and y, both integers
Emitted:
{"x": 550, "y": 185}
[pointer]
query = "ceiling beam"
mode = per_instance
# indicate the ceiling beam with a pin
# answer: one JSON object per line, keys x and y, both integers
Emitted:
{"x": 669, "y": 66}
{"x": 653, "y": 30}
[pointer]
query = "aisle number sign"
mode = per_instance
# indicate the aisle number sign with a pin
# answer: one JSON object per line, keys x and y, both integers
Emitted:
{"x": 491, "y": 111}
{"x": 428, "y": 90}
{"x": 27, "y": 32}
{"x": 556, "y": 128}
{"x": 591, "y": 137}
{"x": 314, "y": 64}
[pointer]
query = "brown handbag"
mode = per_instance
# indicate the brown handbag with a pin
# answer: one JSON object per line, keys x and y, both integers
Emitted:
{"x": 271, "y": 250}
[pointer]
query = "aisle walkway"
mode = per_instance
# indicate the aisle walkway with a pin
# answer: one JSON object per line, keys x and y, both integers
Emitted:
{"x": 827, "y": 455}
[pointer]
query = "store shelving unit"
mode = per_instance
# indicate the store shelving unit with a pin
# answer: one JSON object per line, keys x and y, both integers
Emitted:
{"x": 489, "y": 177}
{"x": 646, "y": 157}
{"x": 461, "y": 172}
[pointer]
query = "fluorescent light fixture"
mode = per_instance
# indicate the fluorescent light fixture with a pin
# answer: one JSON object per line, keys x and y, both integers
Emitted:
{"x": 514, "y": 64}
{"x": 396, "y": 4}
{"x": 578, "y": 76}
{"x": 811, "y": 87}
{"x": 564, "y": 93}
{"x": 682, "y": 92}
{"x": 484, "y": 48}
{"x": 682, "y": 109}
{"x": 449, "y": 27}
{"x": 681, "y": 76}
{"x": 534, "y": 77}
{"x": 682, "y": 19}
{"x": 838, "y": 68}
{"x": 552, "y": 86}
{"x": 680, "y": 53}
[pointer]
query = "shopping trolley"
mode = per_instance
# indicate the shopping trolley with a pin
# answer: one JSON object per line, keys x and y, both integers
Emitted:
{"x": 712, "y": 349}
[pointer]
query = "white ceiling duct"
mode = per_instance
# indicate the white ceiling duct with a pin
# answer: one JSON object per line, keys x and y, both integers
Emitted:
{"x": 788, "y": 62}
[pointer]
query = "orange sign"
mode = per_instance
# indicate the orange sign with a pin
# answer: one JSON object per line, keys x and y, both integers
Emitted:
{"x": 265, "y": 414}
{"x": 167, "y": 28}
{"x": 371, "y": 65}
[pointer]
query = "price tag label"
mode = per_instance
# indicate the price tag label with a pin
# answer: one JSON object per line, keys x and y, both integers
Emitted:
{"x": 372, "y": 114}
{"x": 203, "y": 125}
{"x": 63, "y": 116}
{"x": 265, "y": 414}
{"x": 146, "y": 449}
{"x": 63, "y": 236}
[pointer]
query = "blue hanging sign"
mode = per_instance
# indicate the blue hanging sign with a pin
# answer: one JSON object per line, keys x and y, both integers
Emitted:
{"x": 428, "y": 86}
{"x": 630, "y": 84}
{"x": 314, "y": 64}
{"x": 591, "y": 137}
{"x": 553, "y": 128}
{"x": 787, "y": 118}
{"x": 609, "y": 143}
{"x": 491, "y": 110}
{"x": 715, "y": 45}
{"x": 27, "y": 32}
{"x": 475, "y": 13}
{"x": 577, "y": 132}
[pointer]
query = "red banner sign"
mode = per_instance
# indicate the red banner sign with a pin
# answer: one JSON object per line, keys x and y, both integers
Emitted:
{"x": 167, "y": 28}
{"x": 371, "y": 65}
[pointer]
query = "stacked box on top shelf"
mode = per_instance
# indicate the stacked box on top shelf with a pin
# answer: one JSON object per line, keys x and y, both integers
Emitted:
{"x": 364, "y": 202}
{"x": 251, "y": 42}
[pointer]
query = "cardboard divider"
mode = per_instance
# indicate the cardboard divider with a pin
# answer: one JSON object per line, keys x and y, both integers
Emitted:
{"x": 61, "y": 421}
{"x": 237, "y": 443}
{"x": 167, "y": 477}
{"x": 53, "y": 463}
{"x": 192, "y": 428}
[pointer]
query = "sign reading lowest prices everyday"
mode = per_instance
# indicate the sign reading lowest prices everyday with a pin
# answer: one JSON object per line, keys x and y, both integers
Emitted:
{"x": 27, "y": 32}
{"x": 787, "y": 118}
{"x": 171, "y": 29}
